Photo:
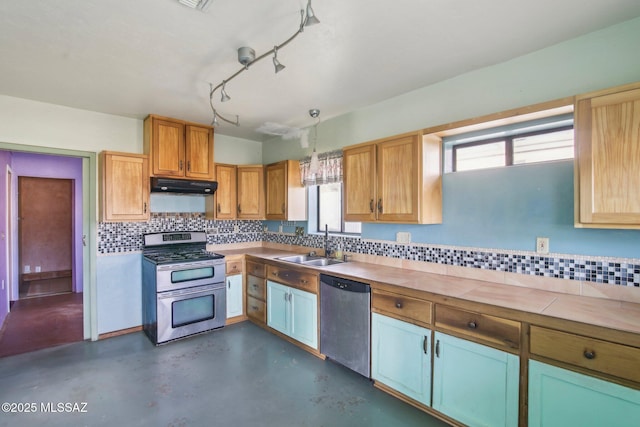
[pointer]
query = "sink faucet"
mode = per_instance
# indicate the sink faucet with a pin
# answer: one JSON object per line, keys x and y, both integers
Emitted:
{"x": 326, "y": 241}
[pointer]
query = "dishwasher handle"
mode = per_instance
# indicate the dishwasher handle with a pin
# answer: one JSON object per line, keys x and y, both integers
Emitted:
{"x": 344, "y": 284}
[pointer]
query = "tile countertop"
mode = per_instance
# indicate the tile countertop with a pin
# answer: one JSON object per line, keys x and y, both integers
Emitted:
{"x": 612, "y": 314}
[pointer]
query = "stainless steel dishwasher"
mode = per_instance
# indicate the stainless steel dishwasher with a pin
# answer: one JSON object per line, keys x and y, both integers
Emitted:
{"x": 345, "y": 322}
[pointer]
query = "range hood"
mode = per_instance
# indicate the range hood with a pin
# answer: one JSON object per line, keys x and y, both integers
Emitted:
{"x": 184, "y": 186}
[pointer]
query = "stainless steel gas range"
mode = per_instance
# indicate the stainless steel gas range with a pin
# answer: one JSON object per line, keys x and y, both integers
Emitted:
{"x": 183, "y": 286}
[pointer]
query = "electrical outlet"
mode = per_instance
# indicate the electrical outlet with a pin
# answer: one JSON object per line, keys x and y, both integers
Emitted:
{"x": 280, "y": 228}
{"x": 38, "y": 269}
{"x": 27, "y": 269}
{"x": 542, "y": 245}
{"x": 236, "y": 228}
{"x": 213, "y": 230}
{"x": 403, "y": 237}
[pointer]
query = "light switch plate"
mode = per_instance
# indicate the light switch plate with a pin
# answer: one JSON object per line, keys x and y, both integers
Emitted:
{"x": 403, "y": 237}
{"x": 542, "y": 245}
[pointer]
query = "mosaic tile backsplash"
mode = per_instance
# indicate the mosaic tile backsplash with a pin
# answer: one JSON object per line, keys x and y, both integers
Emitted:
{"x": 127, "y": 237}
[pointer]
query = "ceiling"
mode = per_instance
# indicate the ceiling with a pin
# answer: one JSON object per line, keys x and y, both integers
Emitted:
{"x": 133, "y": 58}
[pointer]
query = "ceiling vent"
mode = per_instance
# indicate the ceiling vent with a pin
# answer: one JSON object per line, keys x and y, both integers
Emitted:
{"x": 202, "y": 5}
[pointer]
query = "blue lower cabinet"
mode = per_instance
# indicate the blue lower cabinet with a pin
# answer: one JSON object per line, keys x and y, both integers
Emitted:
{"x": 293, "y": 312}
{"x": 475, "y": 384}
{"x": 401, "y": 357}
{"x": 559, "y": 397}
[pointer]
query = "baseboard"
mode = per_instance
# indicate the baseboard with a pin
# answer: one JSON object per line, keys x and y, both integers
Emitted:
{"x": 120, "y": 332}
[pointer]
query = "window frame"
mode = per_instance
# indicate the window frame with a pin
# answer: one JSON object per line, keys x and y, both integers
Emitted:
{"x": 508, "y": 140}
{"x": 319, "y": 227}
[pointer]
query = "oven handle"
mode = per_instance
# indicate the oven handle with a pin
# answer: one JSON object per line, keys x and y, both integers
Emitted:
{"x": 184, "y": 292}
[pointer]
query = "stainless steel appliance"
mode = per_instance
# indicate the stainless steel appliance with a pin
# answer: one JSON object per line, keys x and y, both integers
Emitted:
{"x": 345, "y": 320}
{"x": 183, "y": 286}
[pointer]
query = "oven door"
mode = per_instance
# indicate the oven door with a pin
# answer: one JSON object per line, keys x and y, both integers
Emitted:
{"x": 190, "y": 311}
{"x": 188, "y": 275}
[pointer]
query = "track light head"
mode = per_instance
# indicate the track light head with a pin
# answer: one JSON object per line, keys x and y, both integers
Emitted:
{"x": 224, "y": 97}
{"x": 311, "y": 16}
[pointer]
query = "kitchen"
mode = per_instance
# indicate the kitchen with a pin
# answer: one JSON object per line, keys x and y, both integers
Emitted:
{"x": 35, "y": 124}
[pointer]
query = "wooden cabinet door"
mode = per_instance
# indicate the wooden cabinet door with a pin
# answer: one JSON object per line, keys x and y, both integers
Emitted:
{"x": 359, "y": 165}
{"x": 304, "y": 317}
{"x": 168, "y": 148}
{"x": 278, "y": 307}
{"x": 225, "y": 196}
{"x": 559, "y": 398}
{"x": 234, "y": 295}
{"x": 398, "y": 179}
{"x": 125, "y": 187}
{"x": 401, "y": 357}
{"x": 475, "y": 384}
{"x": 608, "y": 159}
{"x": 276, "y": 195}
{"x": 250, "y": 192}
{"x": 199, "y": 152}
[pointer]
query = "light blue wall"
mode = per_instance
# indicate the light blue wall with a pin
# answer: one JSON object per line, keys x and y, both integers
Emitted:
{"x": 507, "y": 208}
{"x": 119, "y": 290}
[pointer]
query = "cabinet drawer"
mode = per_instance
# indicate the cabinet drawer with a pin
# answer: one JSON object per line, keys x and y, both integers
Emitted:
{"x": 402, "y": 307}
{"x": 256, "y": 287}
{"x": 298, "y": 279}
{"x": 496, "y": 330}
{"x": 255, "y": 269}
{"x": 602, "y": 356}
{"x": 256, "y": 309}
{"x": 234, "y": 267}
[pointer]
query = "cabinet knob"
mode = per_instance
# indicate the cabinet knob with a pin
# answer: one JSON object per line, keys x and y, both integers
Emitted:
{"x": 472, "y": 325}
{"x": 398, "y": 304}
{"x": 590, "y": 354}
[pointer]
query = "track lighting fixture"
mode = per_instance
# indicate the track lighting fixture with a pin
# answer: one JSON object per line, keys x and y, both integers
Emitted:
{"x": 247, "y": 56}
{"x": 224, "y": 97}
{"x": 311, "y": 17}
{"x": 279, "y": 67}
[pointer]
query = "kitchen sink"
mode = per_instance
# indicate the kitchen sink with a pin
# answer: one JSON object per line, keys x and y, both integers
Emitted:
{"x": 300, "y": 259}
{"x": 322, "y": 262}
{"x": 316, "y": 261}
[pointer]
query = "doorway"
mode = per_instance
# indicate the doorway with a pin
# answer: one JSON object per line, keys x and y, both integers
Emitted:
{"x": 45, "y": 218}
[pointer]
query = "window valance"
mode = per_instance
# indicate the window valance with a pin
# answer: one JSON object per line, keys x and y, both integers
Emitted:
{"x": 329, "y": 170}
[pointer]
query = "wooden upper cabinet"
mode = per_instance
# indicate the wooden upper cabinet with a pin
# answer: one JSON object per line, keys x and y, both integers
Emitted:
{"x": 395, "y": 180}
{"x": 225, "y": 195}
{"x": 179, "y": 149}
{"x": 124, "y": 187}
{"x": 286, "y": 198}
{"x": 607, "y": 161}
{"x": 359, "y": 177}
{"x": 251, "y": 192}
{"x": 199, "y": 152}
{"x": 240, "y": 193}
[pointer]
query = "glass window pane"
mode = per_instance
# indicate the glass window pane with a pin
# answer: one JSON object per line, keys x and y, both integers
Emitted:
{"x": 330, "y": 207}
{"x": 192, "y": 310}
{"x": 480, "y": 156}
{"x": 543, "y": 147}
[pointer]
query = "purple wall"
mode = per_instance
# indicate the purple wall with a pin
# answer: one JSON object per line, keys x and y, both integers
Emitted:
{"x": 50, "y": 166}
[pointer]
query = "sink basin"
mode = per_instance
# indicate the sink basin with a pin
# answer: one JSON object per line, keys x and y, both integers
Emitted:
{"x": 300, "y": 259}
{"x": 322, "y": 262}
{"x": 316, "y": 261}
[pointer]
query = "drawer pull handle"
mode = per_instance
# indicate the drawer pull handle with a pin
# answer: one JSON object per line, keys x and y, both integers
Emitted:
{"x": 275, "y": 273}
{"x": 254, "y": 307}
{"x": 304, "y": 282}
{"x": 472, "y": 325}
{"x": 590, "y": 354}
{"x": 398, "y": 304}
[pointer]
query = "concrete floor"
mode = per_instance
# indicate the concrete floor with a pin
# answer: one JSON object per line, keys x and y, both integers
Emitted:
{"x": 238, "y": 376}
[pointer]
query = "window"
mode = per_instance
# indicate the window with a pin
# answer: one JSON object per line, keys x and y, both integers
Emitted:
{"x": 521, "y": 143}
{"x": 329, "y": 210}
